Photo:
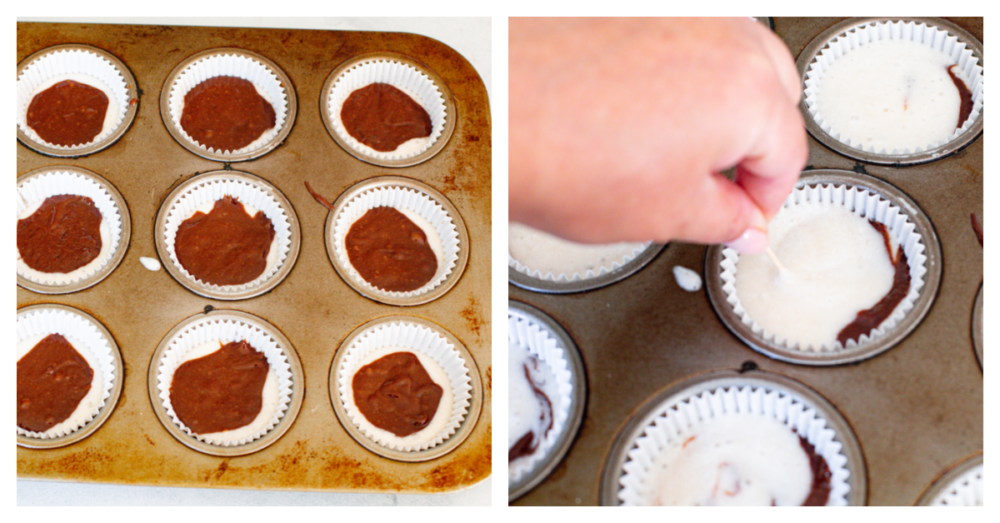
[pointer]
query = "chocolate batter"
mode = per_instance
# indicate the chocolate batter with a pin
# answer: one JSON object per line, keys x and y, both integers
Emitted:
{"x": 383, "y": 117}
{"x": 390, "y": 251}
{"x": 225, "y": 246}
{"x": 226, "y": 113}
{"x": 965, "y": 94}
{"x": 870, "y": 319}
{"x": 820, "y": 492}
{"x": 62, "y": 235}
{"x": 221, "y": 391}
{"x": 68, "y": 113}
{"x": 528, "y": 444}
{"x": 52, "y": 379}
{"x": 396, "y": 394}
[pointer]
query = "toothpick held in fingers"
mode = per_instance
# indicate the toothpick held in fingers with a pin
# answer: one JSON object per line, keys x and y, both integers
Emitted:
{"x": 777, "y": 263}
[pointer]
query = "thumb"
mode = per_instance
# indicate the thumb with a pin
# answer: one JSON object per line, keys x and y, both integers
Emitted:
{"x": 722, "y": 212}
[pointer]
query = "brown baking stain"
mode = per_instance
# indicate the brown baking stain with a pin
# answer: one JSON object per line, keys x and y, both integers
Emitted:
{"x": 471, "y": 315}
{"x": 214, "y": 475}
{"x": 489, "y": 378}
{"x": 464, "y": 469}
{"x": 149, "y": 439}
{"x": 88, "y": 463}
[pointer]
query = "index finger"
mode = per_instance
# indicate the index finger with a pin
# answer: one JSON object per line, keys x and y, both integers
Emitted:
{"x": 772, "y": 166}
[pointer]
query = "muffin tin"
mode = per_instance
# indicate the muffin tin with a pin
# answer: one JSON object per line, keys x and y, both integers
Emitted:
{"x": 916, "y": 409}
{"x": 808, "y": 55}
{"x": 312, "y": 308}
{"x": 132, "y": 92}
{"x": 531, "y": 283}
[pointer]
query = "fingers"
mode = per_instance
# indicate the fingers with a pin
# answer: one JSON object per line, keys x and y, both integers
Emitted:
{"x": 772, "y": 166}
{"x": 720, "y": 211}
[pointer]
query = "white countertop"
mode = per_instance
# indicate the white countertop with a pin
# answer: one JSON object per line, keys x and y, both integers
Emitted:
{"x": 469, "y": 36}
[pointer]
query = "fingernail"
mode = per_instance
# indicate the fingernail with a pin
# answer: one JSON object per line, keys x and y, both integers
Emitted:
{"x": 754, "y": 239}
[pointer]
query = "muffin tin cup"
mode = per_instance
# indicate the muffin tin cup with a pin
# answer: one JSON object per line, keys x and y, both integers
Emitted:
{"x": 433, "y": 341}
{"x": 520, "y": 275}
{"x": 251, "y": 190}
{"x": 528, "y": 324}
{"x": 407, "y": 194}
{"x": 970, "y": 60}
{"x": 910, "y": 221}
{"x": 404, "y": 73}
{"x": 223, "y": 325}
{"x": 227, "y": 61}
{"x": 962, "y": 486}
{"x": 977, "y": 326}
{"x": 717, "y": 394}
{"x": 35, "y": 186}
{"x": 83, "y": 60}
{"x": 49, "y": 318}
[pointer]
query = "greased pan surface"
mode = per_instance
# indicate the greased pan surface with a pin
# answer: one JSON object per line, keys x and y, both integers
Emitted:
{"x": 916, "y": 409}
{"x": 313, "y": 307}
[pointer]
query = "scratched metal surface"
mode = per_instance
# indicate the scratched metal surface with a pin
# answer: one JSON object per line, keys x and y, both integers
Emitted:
{"x": 917, "y": 410}
{"x": 313, "y": 307}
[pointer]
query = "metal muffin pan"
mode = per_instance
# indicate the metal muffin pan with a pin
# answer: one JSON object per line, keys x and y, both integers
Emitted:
{"x": 530, "y": 283}
{"x": 298, "y": 387}
{"x": 808, "y": 55}
{"x": 579, "y": 399}
{"x": 446, "y": 446}
{"x": 168, "y": 122}
{"x": 133, "y": 106}
{"x": 726, "y": 379}
{"x": 932, "y": 280}
{"x": 449, "y": 104}
{"x": 212, "y": 291}
{"x": 123, "y": 243}
{"x": 407, "y": 183}
{"x": 313, "y": 308}
{"x": 109, "y": 404}
{"x": 913, "y": 409}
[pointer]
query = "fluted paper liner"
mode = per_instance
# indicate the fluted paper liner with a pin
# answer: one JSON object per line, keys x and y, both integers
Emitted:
{"x": 406, "y": 78}
{"x": 870, "y": 206}
{"x": 933, "y": 37}
{"x": 416, "y": 338}
{"x": 225, "y": 331}
{"x": 540, "y": 342}
{"x": 398, "y": 198}
{"x": 42, "y": 322}
{"x": 675, "y": 420}
{"x": 62, "y": 62}
{"x": 36, "y": 189}
{"x": 245, "y": 67}
{"x": 965, "y": 491}
{"x": 576, "y": 276}
{"x": 248, "y": 193}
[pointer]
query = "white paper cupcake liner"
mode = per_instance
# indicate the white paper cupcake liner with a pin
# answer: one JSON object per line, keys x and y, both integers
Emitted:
{"x": 248, "y": 193}
{"x": 83, "y": 66}
{"x": 401, "y": 199}
{"x": 606, "y": 268}
{"x": 542, "y": 344}
{"x": 415, "y": 338}
{"x": 965, "y": 491}
{"x": 933, "y": 37}
{"x": 211, "y": 330}
{"x": 676, "y": 419}
{"x": 35, "y": 190}
{"x": 866, "y": 205}
{"x": 88, "y": 340}
{"x": 406, "y": 78}
{"x": 268, "y": 85}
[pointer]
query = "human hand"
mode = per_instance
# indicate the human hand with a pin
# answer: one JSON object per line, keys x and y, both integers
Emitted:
{"x": 619, "y": 129}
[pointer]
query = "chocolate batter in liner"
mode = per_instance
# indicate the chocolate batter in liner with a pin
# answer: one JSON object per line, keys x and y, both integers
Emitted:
{"x": 411, "y": 279}
{"x": 244, "y": 358}
{"x": 393, "y": 346}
